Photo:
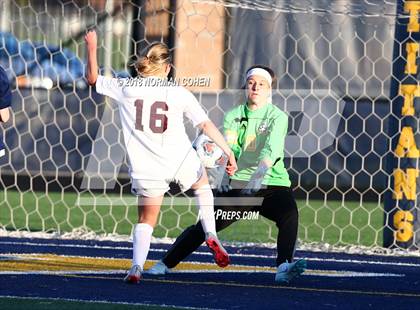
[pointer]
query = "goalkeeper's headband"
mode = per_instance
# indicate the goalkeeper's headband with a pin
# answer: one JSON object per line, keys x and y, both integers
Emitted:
{"x": 260, "y": 72}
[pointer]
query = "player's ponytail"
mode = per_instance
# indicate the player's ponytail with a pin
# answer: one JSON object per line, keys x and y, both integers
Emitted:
{"x": 153, "y": 63}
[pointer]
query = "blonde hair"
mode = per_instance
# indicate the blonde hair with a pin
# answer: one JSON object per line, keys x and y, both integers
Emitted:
{"x": 153, "y": 62}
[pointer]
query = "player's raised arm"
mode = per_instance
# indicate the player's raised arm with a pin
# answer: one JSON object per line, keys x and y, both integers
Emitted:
{"x": 213, "y": 133}
{"x": 5, "y": 97}
{"x": 4, "y": 115}
{"x": 92, "y": 62}
{"x": 107, "y": 86}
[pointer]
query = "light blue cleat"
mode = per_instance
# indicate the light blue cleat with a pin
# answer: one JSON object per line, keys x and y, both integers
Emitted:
{"x": 288, "y": 271}
{"x": 158, "y": 269}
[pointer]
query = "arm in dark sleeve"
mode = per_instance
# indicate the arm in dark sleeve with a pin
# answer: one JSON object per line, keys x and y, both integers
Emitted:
{"x": 5, "y": 90}
{"x": 5, "y": 96}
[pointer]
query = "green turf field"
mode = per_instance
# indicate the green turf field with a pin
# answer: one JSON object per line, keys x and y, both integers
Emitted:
{"x": 332, "y": 222}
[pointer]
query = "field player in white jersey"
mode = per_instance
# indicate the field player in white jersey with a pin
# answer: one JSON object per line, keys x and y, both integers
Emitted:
{"x": 158, "y": 147}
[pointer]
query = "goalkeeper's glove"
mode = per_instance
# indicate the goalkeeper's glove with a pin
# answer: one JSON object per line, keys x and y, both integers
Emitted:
{"x": 219, "y": 179}
{"x": 255, "y": 183}
{"x": 224, "y": 185}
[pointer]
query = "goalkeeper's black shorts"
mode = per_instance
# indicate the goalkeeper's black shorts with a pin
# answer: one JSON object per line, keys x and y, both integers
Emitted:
{"x": 277, "y": 204}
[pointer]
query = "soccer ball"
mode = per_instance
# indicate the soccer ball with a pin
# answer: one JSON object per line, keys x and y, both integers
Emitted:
{"x": 209, "y": 153}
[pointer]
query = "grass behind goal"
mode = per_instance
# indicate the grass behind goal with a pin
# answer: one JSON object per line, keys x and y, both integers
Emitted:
{"x": 329, "y": 222}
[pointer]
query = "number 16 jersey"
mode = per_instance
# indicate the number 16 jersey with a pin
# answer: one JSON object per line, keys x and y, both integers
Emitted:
{"x": 152, "y": 119}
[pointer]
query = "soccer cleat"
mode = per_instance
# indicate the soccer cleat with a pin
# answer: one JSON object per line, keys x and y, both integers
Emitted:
{"x": 288, "y": 271}
{"x": 158, "y": 269}
{"x": 220, "y": 255}
{"x": 133, "y": 275}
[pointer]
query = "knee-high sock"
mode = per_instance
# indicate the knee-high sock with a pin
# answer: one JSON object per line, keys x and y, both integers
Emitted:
{"x": 142, "y": 236}
{"x": 205, "y": 205}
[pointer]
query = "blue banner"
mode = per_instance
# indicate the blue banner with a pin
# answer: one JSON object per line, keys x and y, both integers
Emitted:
{"x": 401, "y": 206}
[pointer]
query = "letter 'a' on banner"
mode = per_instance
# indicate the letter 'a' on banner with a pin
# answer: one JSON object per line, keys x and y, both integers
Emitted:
{"x": 402, "y": 199}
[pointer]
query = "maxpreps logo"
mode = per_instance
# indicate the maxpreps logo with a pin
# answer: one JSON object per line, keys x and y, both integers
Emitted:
{"x": 236, "y": 215}
{"x": 227, "y": 215}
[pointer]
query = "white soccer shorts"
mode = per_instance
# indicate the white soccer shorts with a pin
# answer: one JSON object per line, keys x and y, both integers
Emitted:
{"x": 189, "y": 171}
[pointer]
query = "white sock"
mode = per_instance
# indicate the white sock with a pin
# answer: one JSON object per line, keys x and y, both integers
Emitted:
{"x": 205, "y": 205}
{"x": 142, "y": 236}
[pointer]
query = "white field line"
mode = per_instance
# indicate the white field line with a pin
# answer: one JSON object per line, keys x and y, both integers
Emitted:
{"x": 83, "y": 234}
{"x": 315, "y": 259}
{"x": 309, "y": 272}
{"x": 102, "y": 302}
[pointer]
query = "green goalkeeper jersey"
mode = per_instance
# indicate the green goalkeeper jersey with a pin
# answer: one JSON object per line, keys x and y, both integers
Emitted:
{"x": 254, "y": 135}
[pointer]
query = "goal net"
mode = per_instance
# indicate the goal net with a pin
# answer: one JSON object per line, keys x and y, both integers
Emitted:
{"x": 66, "y": 168}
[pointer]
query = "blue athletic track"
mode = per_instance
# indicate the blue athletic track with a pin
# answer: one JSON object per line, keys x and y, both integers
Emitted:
{"x": 93, "y": 271}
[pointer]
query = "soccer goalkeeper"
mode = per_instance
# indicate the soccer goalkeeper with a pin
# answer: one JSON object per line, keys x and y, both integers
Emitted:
{"x": 256, "y": 132}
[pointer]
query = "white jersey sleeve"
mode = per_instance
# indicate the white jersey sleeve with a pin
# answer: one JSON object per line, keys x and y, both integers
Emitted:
{"x": 194, "y": 111}
{"x": 109, "y": 87}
